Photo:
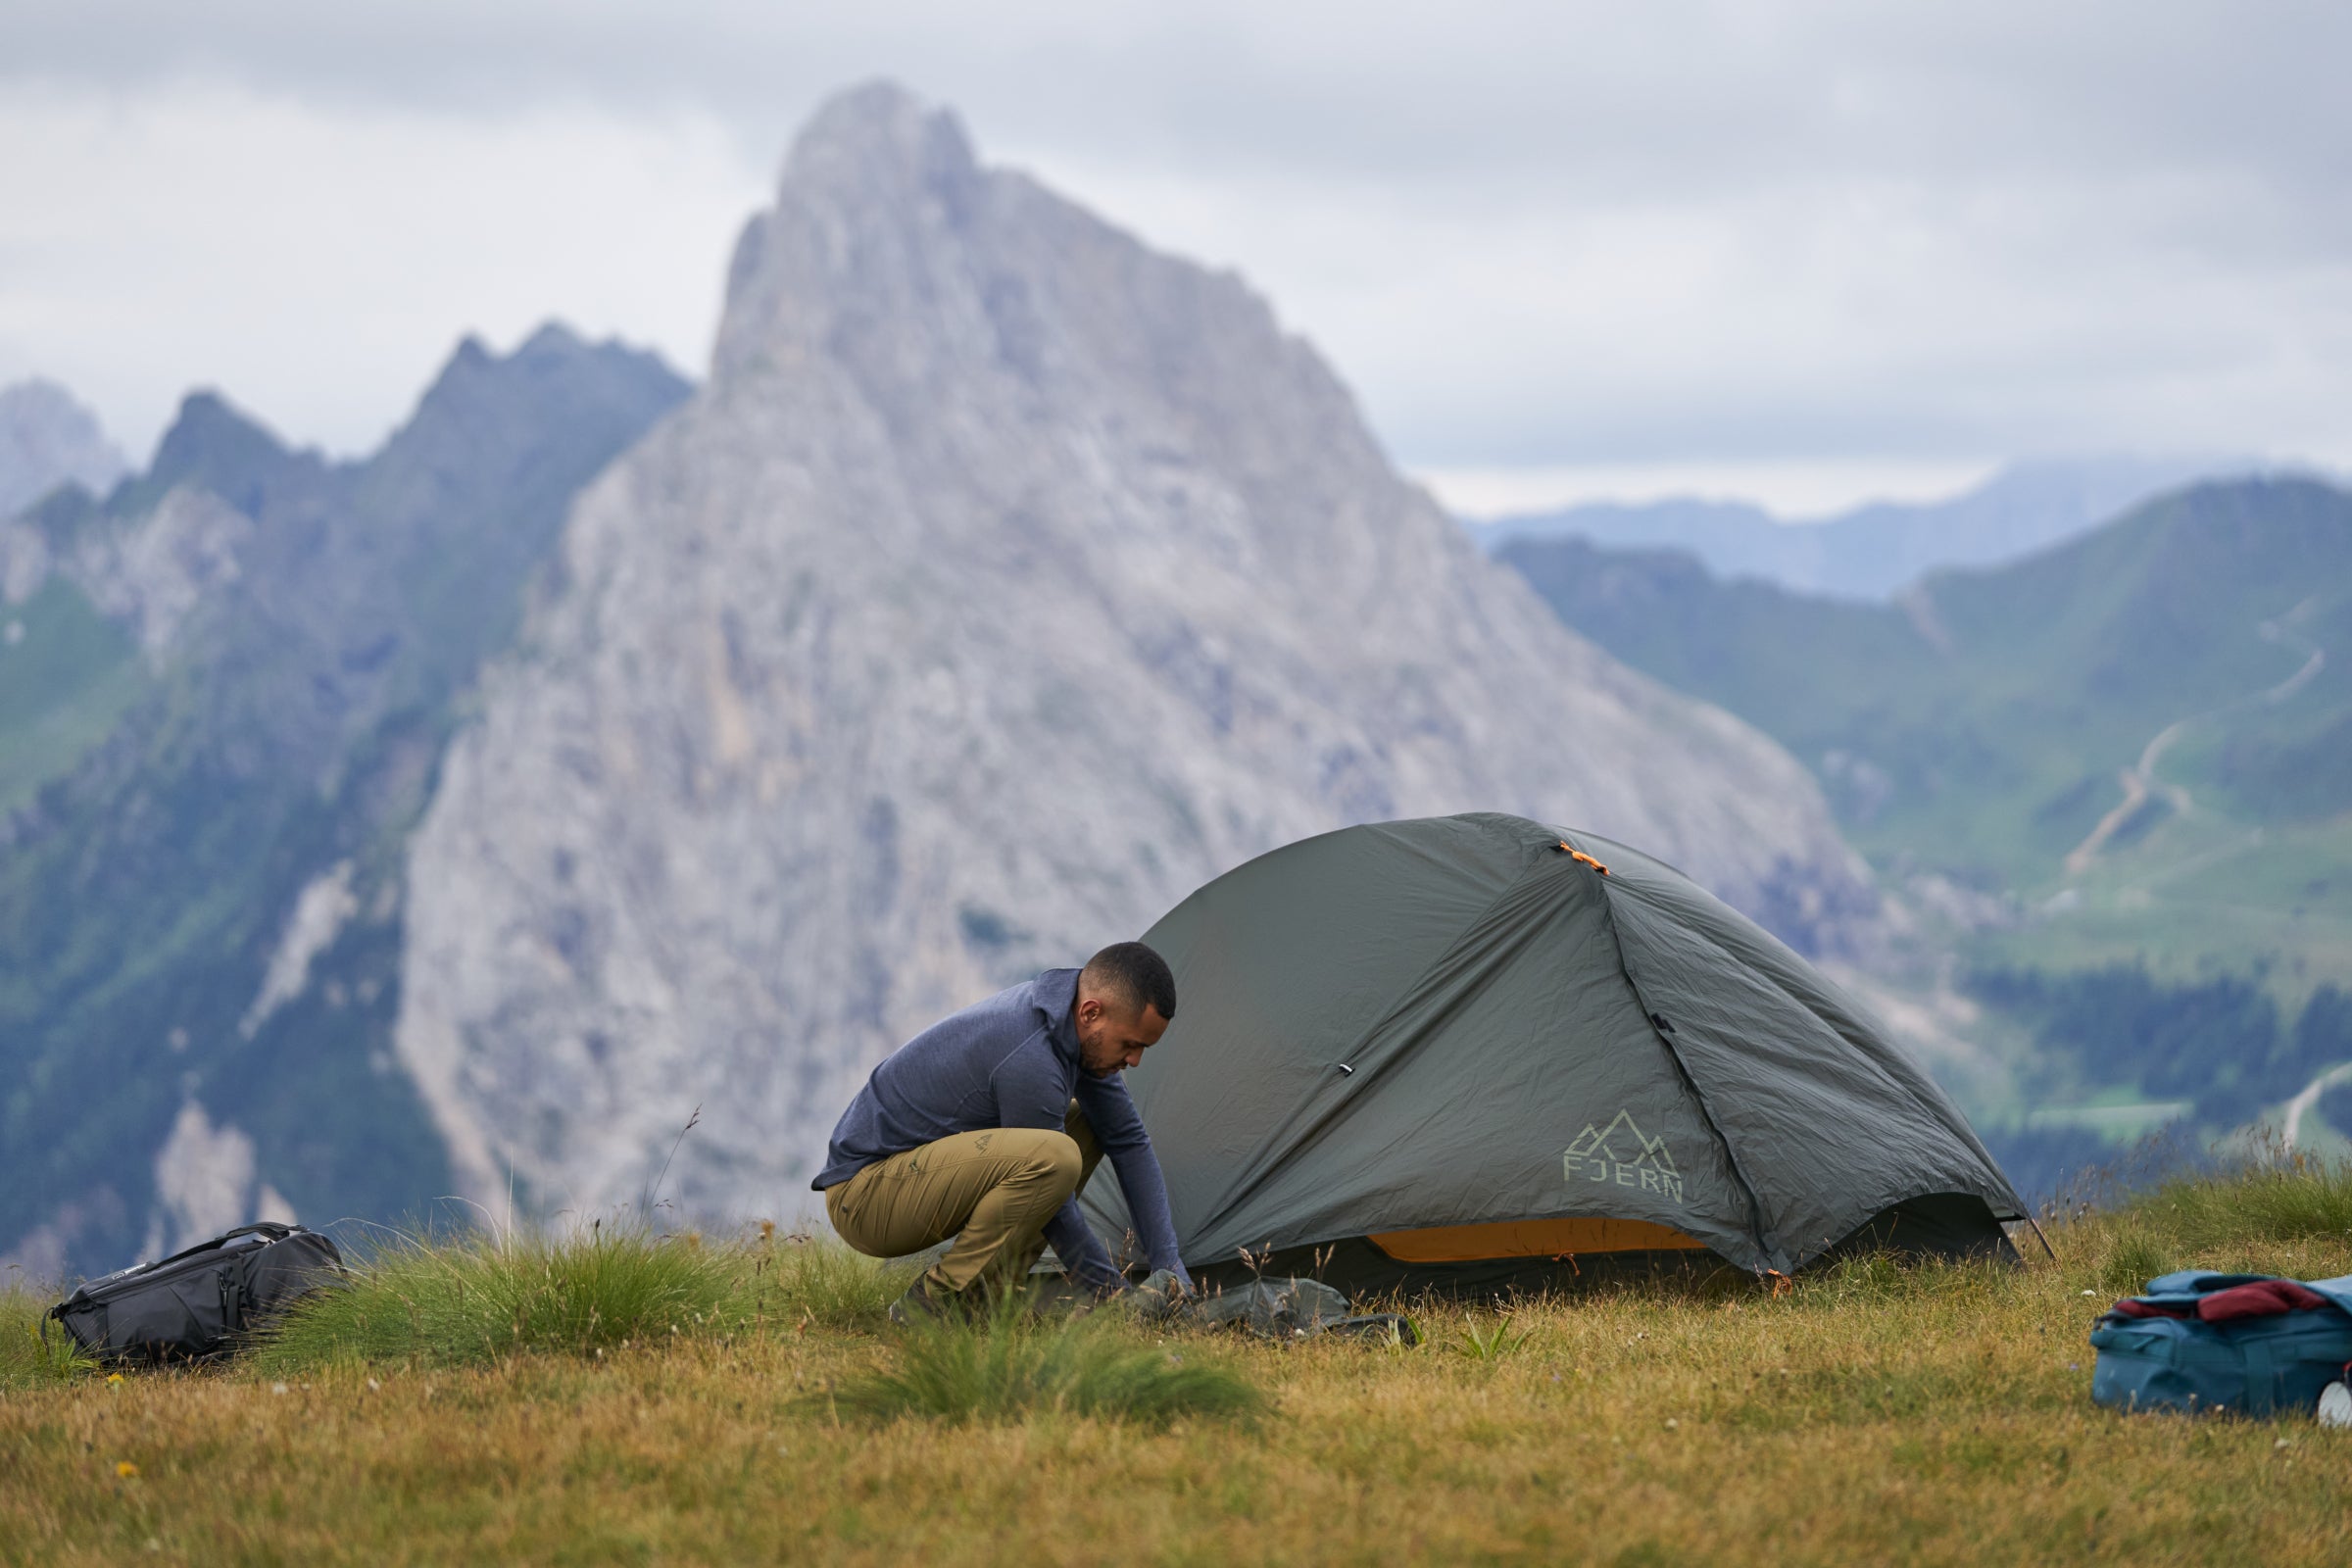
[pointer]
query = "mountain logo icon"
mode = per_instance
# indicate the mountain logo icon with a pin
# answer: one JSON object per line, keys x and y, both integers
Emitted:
{"x": 1621, "y": 1155}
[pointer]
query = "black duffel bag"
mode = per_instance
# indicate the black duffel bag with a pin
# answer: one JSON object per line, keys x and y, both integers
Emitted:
{"x": 200, "y": 1304}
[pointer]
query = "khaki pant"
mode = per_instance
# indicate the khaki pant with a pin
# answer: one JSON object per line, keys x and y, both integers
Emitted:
{"x": 993, "y": 1191}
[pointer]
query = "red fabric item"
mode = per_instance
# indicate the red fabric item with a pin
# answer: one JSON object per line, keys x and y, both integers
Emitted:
{"x": 2130, "y": 1307}
{"x": 2262, "y": 1298}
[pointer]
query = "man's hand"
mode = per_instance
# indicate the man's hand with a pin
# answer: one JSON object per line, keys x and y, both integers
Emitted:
{"x": 1161, "y": 1297}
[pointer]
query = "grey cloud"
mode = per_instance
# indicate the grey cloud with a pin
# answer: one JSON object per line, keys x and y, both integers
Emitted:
{"x": 1588, "y": 96}
{"x": 1912, "y": 229}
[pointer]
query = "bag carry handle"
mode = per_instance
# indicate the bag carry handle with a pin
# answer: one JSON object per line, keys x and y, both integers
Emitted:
{"x": 265, "y": 1227}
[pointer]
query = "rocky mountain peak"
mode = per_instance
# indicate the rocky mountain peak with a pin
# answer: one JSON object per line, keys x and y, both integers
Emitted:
{"x": 868, "y": 190}
{"x": 216, "y": 446}
{"x": 878, "y": 144}
{"x": 1006, "y": 581}
{"x": 901, "y": 265}
{"x": 478, "y": 396}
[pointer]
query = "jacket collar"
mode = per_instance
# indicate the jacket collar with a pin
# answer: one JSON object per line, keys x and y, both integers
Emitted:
{"x": 1055, "y": 995}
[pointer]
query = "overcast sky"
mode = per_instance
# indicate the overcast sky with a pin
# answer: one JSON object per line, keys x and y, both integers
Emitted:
{"x": 1802, "y": 252}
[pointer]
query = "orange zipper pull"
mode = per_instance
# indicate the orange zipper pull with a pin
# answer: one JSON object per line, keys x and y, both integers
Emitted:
{"x": 1575, "y": 854}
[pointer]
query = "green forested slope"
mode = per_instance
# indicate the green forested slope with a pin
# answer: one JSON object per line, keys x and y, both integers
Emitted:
{"x": 66, "y": 674}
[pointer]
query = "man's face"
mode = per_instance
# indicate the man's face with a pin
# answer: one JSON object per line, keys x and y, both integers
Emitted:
{"x": 1113, "y": 1034}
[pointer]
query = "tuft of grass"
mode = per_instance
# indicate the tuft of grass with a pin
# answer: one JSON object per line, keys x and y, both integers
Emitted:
{"x": 1009, "y": 1367}
{"x": 1873, "y": 1278}
{"x": 815, "y": 1280}
{"x": 25, "y": 1360}
{"x": 1863, "y": 1277}
{"x": 480, "y": 1298}
{"x": 1490, "y": 1343}
{"x": 2273, "y": 1196}
{"x": 2128, "y": 1255}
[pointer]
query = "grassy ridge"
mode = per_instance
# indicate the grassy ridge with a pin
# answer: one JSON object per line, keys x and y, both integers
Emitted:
{"x": 1875, "y": 1411}
{"x": 1977, "y": 727}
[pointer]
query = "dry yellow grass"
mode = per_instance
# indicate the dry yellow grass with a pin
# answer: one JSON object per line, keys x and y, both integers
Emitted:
{"x": 1874, "y": 1414}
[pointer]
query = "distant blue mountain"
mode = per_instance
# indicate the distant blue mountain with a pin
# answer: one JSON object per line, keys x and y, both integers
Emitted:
{"x": 47, "y": 439}
{"x": 1874, "y": 550}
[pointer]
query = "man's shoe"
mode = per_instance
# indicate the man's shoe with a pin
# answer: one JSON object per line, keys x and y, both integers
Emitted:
{"x": 919, "y": 1305}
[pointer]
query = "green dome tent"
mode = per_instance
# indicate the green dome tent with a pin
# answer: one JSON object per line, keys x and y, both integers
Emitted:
{"x": 1476, "y": 1052}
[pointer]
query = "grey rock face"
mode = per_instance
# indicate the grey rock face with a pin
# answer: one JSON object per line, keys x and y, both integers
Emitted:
{"x": 47, "y": 439}
{"x": 1006, "y": 581}
{"x": 155, "y": 573}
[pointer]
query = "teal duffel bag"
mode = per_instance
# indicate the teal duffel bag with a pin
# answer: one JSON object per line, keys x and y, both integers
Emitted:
{"x": 2157, "y": 1353}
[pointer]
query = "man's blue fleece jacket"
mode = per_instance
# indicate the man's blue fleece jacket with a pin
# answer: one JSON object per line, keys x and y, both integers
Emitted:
{"x": 1011, "y": 1062}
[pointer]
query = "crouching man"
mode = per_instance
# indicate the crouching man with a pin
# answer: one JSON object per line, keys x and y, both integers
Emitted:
{"x": 985, "y": 1126}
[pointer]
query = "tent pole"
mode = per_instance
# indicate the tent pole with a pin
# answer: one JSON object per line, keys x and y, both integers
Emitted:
{"x": 2043, "y": 1239}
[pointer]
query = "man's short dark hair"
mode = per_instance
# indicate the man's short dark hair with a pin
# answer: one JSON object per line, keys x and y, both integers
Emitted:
{"x": 1137, "y": 973}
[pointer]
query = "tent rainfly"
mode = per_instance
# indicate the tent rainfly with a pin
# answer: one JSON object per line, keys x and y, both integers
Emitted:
{"x": 1474, "y": 1051}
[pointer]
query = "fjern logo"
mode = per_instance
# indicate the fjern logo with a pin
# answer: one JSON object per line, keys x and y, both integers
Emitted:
{"x": 1618, "y": 1156}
